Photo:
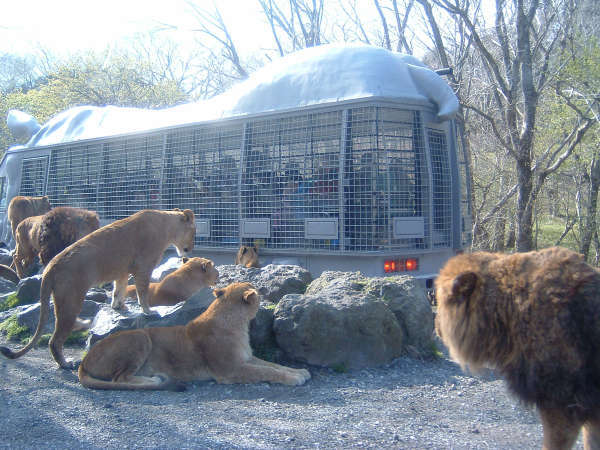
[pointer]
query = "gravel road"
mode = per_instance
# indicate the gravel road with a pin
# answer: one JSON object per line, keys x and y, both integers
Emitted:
{"x": 408, "y": 404}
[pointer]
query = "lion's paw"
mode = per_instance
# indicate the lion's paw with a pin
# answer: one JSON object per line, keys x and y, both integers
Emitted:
{"x": 299, "y": 376}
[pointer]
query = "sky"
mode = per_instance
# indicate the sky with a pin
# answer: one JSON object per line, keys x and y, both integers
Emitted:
{"x": 67, "y": 26}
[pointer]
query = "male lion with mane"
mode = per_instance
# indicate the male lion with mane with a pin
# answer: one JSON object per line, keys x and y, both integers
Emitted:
{"x": 178, "y": 286}
{"x": 21, "y": 207}
{"x": 133, "y": 245}
{"x": 215, "y": 345}
{"x": 534, "y": 317}
{"x": 62, "y": 226}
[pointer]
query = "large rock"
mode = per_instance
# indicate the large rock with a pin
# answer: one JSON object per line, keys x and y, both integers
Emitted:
{"x": 29, "y": 315}
{"x": 272, "y": 281}
{"x": 408, "y": 300}
{"x": 7, "y": 286}
{"x": 349, "y": 321}
{"x": 28, "y": 290}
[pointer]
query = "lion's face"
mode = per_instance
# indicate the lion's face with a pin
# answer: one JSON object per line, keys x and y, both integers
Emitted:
{"x": 186, "y": 233}
{"x": 246, "y": 254}
{"x": 239, "y": 296}
{"x": 202, "y": 271}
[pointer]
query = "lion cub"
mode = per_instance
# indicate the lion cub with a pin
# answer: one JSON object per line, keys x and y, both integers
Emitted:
{"x": 535, "y": 317}
{"x": 247, "y": 256}
{"x": 178, "y": 286}
{"x": 215, "y": 345}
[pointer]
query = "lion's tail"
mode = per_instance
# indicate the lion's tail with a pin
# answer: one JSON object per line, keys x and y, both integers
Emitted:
{"x": 7, "y": 273}
{"x": 45, "y": 292}
{"x": 91, "y": 382}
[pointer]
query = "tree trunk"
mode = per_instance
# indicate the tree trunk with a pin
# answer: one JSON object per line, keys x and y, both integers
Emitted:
{"x": 590, "y": 220}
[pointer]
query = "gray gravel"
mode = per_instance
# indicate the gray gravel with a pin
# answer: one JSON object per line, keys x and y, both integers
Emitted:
{"x": 408, "y": 404}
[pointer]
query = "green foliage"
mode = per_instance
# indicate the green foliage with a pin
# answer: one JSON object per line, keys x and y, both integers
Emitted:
{"x": 9, "y": 302}
{"x": 340, "y": 368}
{"x": 98, "y": 79}
{"x": 13, "y": 331}
{"x": 77, "y": 338}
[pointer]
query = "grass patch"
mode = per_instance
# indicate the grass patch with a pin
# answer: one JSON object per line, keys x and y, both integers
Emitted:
{"x": 13, "y": 331}
{"x": 340, "y": 368}
{"x": 77, "y": 338}
{"x": 9, "y": 302}
{"x": 549, "y": 232}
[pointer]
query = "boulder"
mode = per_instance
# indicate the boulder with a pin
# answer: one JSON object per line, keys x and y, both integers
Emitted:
{"x": 408, "y": 300}
{"x": 345, "y": 320}
{"x": 272, "y": 281}
{"x": 29, "y": 315}
{"x": 28, "y": 289}
{"x": 6, "y": 257}
{"x": 7, "y": 286}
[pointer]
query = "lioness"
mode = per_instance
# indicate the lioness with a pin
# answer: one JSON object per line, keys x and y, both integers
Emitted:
{"x": 535, "y": 317}
{"x": 178, "y": 286}
{"x": 215, "y": 345}
{"x": 132, "y": 245}
{"x": 27, "y": 240}
{"x": 21, "y": 207}
{"x": 247, "y": 256}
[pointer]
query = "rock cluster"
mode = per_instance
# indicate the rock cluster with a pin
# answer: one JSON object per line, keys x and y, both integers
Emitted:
{"x": 341, "y": 320}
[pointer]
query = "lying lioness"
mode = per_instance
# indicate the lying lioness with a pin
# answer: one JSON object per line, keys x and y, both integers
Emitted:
{"x": 178, "y": 286}
{"x": 133, "y": 245}
{"x": 215, "y": 345}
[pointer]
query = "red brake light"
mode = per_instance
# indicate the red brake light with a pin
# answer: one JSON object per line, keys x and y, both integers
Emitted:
{"x": 412, "y": 264}
{"x": 401, "y": 265}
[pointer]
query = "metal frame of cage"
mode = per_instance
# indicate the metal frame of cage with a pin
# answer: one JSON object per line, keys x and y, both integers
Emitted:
{"x": 362, "y": 178}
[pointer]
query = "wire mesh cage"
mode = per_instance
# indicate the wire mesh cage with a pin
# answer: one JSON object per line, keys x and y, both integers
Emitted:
{"x": 369, "y": 178}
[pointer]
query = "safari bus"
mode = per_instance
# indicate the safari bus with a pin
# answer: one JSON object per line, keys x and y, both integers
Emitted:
{"x": 339, "y": 157}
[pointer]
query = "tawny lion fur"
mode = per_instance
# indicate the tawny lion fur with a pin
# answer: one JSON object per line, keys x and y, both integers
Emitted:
{"x": 178, "y": 286}
{"x": 535, "y": 318}
{"x": 62, "y": 226}
{"x": 133, "y": 245}
{"x": 247, "y": 256}
{"x": 215, "y": 345}
{"x": 21, "y": 207}
{"x": 27, "y": 240}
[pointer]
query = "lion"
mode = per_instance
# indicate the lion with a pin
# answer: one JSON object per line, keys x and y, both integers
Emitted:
{"x": 133, "y": 245}
{"x": 27, "y": 240}
{"x": 215, "y": 345}
{"x": 247, "y": 256}
{"x": 178, "y": 286}
{"x": 48, "y": 234}
{"x": 535, "y": 318}
{"x": 21, "y": 207}
{"x": 62, "y": 226}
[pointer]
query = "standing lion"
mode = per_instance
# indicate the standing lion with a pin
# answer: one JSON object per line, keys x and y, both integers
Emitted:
{"x": 21, "y": 207}
{"x": 534, "y": 317}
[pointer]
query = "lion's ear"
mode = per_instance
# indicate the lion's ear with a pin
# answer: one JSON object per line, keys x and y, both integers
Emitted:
{"x": 205, "y": 266}
{"x": 188, "y": 215}
{"x": 250, "y": 296}
{"x": 219, "y": 292}
{"x": 464, "y": 285}
{"x": 185, "y": 259}
{"x": 176, "y": 209}
{"x": 244, "y": 249}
